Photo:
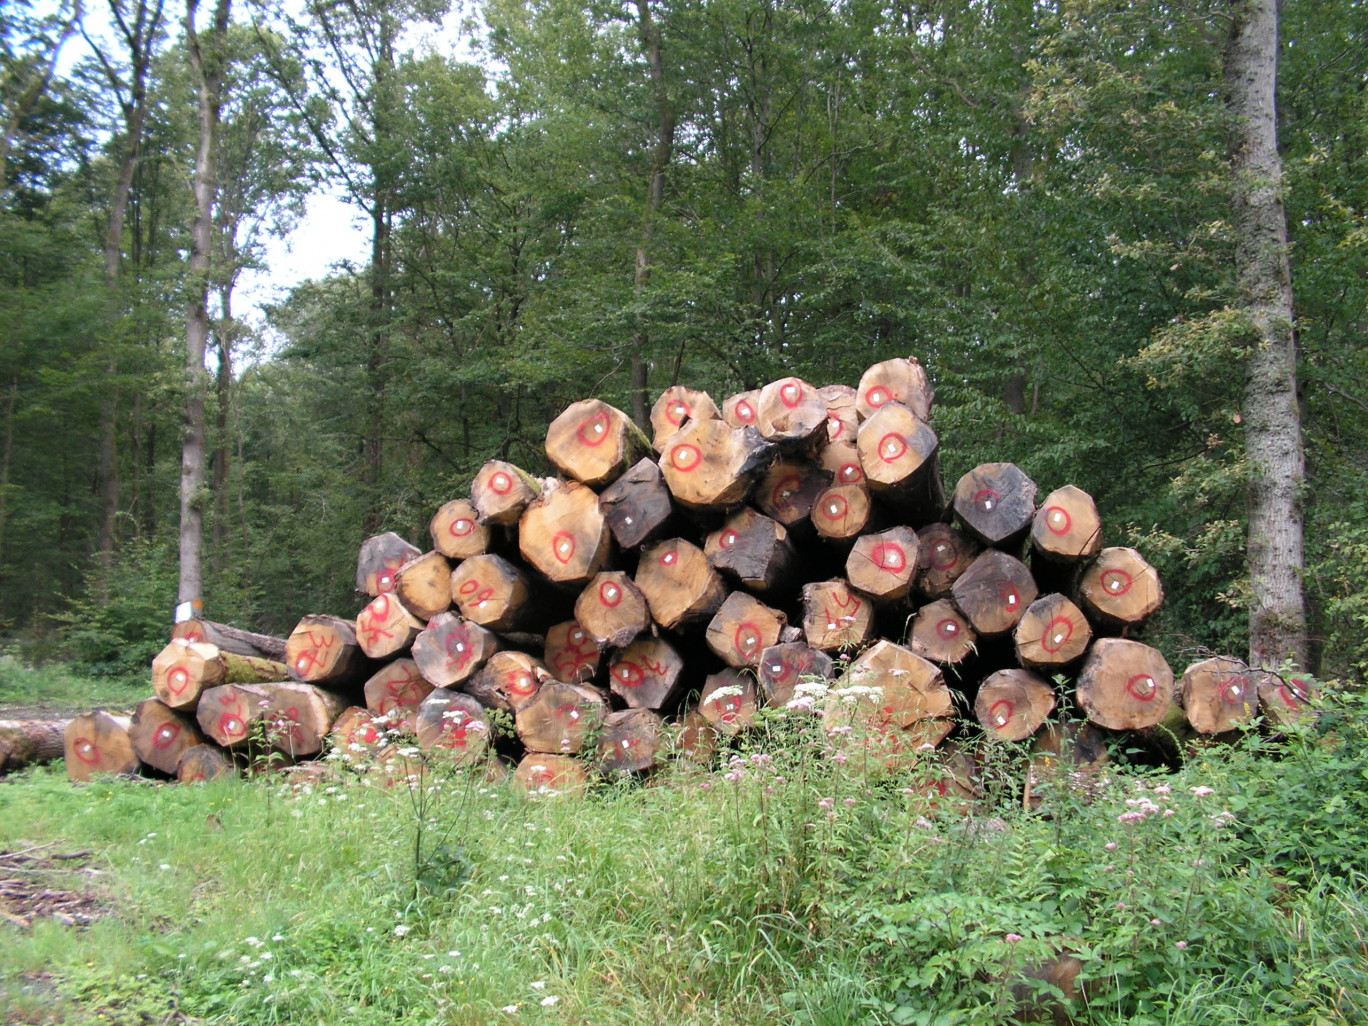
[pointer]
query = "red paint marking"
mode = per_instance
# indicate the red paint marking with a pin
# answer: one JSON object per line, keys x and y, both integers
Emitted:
{"x": 1234, "y": 690}
{"x": 193, "y": 634}
{"x": 610, "y": 594}
{"x": 563, "y": 546}
{"x": 1115, "y": 582}
{"x": 594, "y": 430}
{"x": 1011, "y": 598}
{"x": 519, "y": 682}
{"x": 629, "y": 675}
{"x": 781, "y": 495}
{"x": 469, "y": 587}
{"x": 1057, "y": 520}
{"x": 166, "y": 735}
{"x": 728, "y": 539}
{"x": 85, "y": 751}
{"x": 568, "y": 715}
{"x": 313, "y": 657}
{"x": 369, "y": 628}
{"x": 228, "y": 698}
{"x": 944, "y": 554}
{"x": 685, "y": 458}
{"x": 652, "y": 667}
{"x": 851, "y": 473}
{"x": 846, "y": 600}
{"x": 948, "y": 629}
{"x": 677, "y": 412}
{"x": 669, "y": 558}
{"x": 987, "y": 498}
{"x": 231, "y": 726}
{"x": 1142, "y": 687}
{"x": 1060, "y": 628}
{"x": 877, "y": 396}
{"x": 461, "y": 527}
{"x": 835, "y": 427}
{"x": 501, "y": 483}
{"x": 834, "y": 508}
{"x": 178, "y": 680}
{"x": 728, "y": 708}
{"x": 890, "y": 557}
{"x": 1000, "y": 713}
{"x": 791, "y": 394}
{"x": 459, "y": 651}
{"x": 385, "y": 583}
{"x": 540, "y": 777}
{"x": 745, "y": 412}
{"x": 370, "y": 735}
{"x": 1291, "y": 697}
{"x": 939, "y": 787}
{"x": 746, "y": 640}
{"x": 892, "y": 447}
{"x": 784, "y": 673}
{"x": 455, "y": 730}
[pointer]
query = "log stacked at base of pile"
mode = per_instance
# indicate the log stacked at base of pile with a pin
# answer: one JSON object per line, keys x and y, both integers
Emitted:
{"x": 791, "y": 547}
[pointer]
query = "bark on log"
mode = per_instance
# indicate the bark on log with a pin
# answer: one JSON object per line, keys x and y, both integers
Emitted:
{"x": 543, "y": 774}
{"x": 941, "y": 634}
{"x": 1218, "y": 695}
{"x": 754, "y": 549}
{"x": 1073, "y": 747}
{"x": 492, "y": 592}
{"x": 564, "y": 535}
{"x": 788, "y": 490}
{"x": 455, "y": 724}
{"x": 451, "y": 649}
{"x": 785, "y": 666}
{"x": 709, "y": 465}
{"x": 571, "y": 653}
{"x": 995, "y": 502}
{"x": 676, "y": 408}
{"x": 161, "y": 736}
{"x": 509, "y": 681}
{"x": 501, "y": 492}
{"x": 680, "y": 585}
{"x": 25, "y": 742}
{"x": 1013, "y": 704}
{"x": 944, "y": 555}
{"x": 456, "y": 531}
{"x": 729, "y": 702}
{"x": 380, "y": 556}
{"x": 183, "y": 669}
{"x": 395, "y": 693}
{"x": 612, "y": 610}
{"x": 994, "y": 593}
{"x": 1125, "y": 685}
{"x": 1052, "y": 633}
{"x": 1285, "y": 701}
{"x": 1120, "y": 589}
{"x": 1067, "y": 527}
{"x": 647, "y": 674}
{"x": 884, "y": 565}
{"x": 386, "y": 628}
{"x": 324, "y": 650}
{"x": 594, "y": 443}
{"x": 743, "y": 628}
{"x": 897, "y": 381}
{"x": 203, "y": 763}
{"x": 560, "y": 718}
{"x": 423, "y": 585}
{"x": 630, "y": 742}
{"x": 835, "y": 616}
{"x": 231, "y": 639}
{"x": 637, "y": 505}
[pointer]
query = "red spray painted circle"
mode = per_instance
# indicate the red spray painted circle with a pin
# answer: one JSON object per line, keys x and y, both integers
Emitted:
{"x": 563, "y": 546}
{"x": 594, "y": 430}
{"x": 890, "y": 556}
{"x": 1057, "y": 634}
{"x": 1142, "y": 688}
{"x": 685, "y": 458}
{"x": 1057, "y": 520}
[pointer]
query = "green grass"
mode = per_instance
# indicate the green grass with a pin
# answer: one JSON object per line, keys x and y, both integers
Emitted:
{"x": 58, "y": 688}
{"x": 788, "y": 885}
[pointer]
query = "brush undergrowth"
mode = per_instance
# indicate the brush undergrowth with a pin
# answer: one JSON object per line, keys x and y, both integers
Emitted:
{"x": 794, "y": 882}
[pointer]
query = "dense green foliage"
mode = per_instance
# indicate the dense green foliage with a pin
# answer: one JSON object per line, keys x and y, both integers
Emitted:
{"x": 791, "y": 883}
{"x": 1033, "y": 199}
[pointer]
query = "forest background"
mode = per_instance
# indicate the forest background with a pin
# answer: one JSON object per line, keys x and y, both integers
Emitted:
{"x": 606, "y": 198}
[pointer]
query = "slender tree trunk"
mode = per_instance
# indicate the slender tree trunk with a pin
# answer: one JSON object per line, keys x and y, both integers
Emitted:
{"x": 32, "y": 91}
{"x": 1277, "y": 616}
{"x": 223, "y": 388}
{"x": 661, "y": 156}
{"x": 205, "y": 62}
{"x": 6, "y": 455}
{"x": 372, "y": 445}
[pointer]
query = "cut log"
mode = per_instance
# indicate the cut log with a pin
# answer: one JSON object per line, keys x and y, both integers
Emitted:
{"x": 899, "y": 455}
{"x": 843, "y": 415}
{"x": 324, "y": 650}
{"x": 884, "y": 565}
{"x": 27, "y": 742}
{"x": 790, "y": 413}
{"x": 753, "y": 548}
{"x": 356, "y": 737}
{"x": 231, "y": 639}
{"x": 509, "y": 681}
{"x": 888, "y": 685}
{"x": 594, "y": 443}
{"x": 1013, "y": 704}
{"x": 788, "y": 490}
{"x": 491, "y": 591}
{"x": 631, "y": 742}
{"x": 994, "y": 593}
{"x": 1285, "y": 701}
{"x": 1052, "y": 633}
{"x": 729, "y": 702}
{"x": 676, "y": 408}
{"x": 612, "y": 610}
{"x": 646, "y": 674}
{"x": 840, "y": 512}
{"x": 395, "y": 693}
{"x": 841, "y": 460}
{"x": 298, "y": 717}
{"x": 697, "y": 739}
{"x": 560, "y": 718}
{"x": 161, "y": 736}
{"x": 944, "y": 554}
{"x": 539, "y": 773}
{"x": 564, "y": 535}
{"x": 1125, "y": 685}
{"x": 680, "y": 585}
{"x": 456, "y": 531}
{"x": 571, "y": 653}
{"x": 895, "y": 381}
{"x": 203, "y": 763}
{"x": 386, "y": 628}
{"x": 785, "y": 666}
{"x": 1120, "y": 589}
{"x": 1066, "y": 527}
{"x": 423, "y": 585}
{"x": 1218, "y": 695}
{"x": 377, "y": 561}
{"x": 743, "y": 628}
{"x": 228, "y": 713}
{"x": 709, "y": 465}
{"x": 501, "y": 492}
{"x": 740, "y": 410}
{"x": 453, "y": 723}
{"x": 1074, "y": 747}
{"x": 835, "y": 616}
{"x": 995, "y": 502}
{"x": 941, "y": 634}
{"x": 451, "y": 649}
{"x": 183, "y": 669}
{"x": 637, "y": 505}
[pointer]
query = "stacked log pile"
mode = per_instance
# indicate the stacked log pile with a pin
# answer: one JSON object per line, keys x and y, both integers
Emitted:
{"x": 791, "y": 535}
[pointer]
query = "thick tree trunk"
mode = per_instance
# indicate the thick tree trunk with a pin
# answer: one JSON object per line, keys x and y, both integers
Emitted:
{"x": 1277, "y": 616}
